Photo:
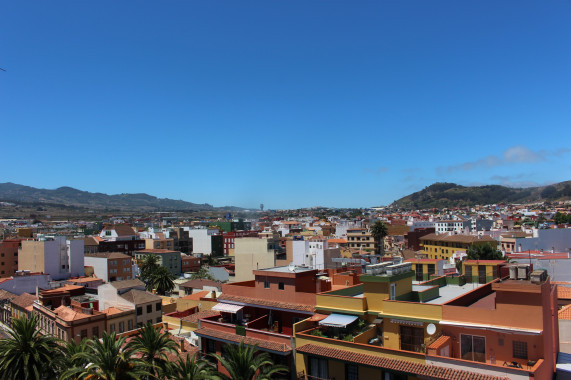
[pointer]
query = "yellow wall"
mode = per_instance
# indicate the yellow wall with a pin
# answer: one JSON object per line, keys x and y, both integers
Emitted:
{"x": 413, "y": 310}
{"x": 489, "y": 269}
{"x": 376, "y": 292}
{"x": 182, "y": 304}
{"x": 341, "y": 303}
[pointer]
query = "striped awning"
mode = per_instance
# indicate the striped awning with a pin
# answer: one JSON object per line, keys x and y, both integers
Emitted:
{"x": 227, "y": 308}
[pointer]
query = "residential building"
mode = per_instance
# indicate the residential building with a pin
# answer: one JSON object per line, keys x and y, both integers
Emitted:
{"x": 131, "y": 294}
{"x": 22, "y": 305}
{"x": 25, "y": 282}
{"x": 361, "y": 239}
{"x": 56, "y": 256}
{"x": 73, "y": 322}
{"x": 9, "y": 256}
{"x": 230, "y": 237}
{"x": 443, "y": 246}
{"x": 262, "y": 312}
{"x": 189, "y": 263}
{"x": 206, "y": 241}
{"x": 120, "y": 320}
{"x": 182, "y": 240}
{"x": 455, "y": 226}
{"x": 167, "y": 258}
{"x": 438, "y": 329}
{"x": 110, "y": 266}
{"x": 253, "y": 253}
{"x": 6, "y": 306}
{"x": 119, "y": 238}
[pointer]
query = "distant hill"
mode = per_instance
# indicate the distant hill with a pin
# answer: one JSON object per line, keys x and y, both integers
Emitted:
{"x": 448, "y": 195}
{"x": 68, "y": 196}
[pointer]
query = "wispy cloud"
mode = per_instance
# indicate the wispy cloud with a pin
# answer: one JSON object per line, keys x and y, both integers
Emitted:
{"x": 378, "y": 171}
{"x": 517, "y": 180}
{"x": 514, "y": 155}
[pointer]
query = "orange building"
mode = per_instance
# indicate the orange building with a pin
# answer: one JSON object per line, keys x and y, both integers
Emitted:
{"x": 9, "y": 256}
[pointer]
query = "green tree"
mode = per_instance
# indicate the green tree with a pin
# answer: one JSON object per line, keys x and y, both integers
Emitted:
{"x": 483, "y": 252}
{"x": 107, "y": 359}
{"x": 26, "y": 354}
{"x": 154, "y": 346}
{"x": 560, "y": 218}
{"x": 202, "y": 274}
{"x": 162, "y": 280}
{"x": 148, "y": 267}
{"x": 247, "y": 363}
{"x": 379, "y": 231}
{"x": 70, "y": 358}
{"x": 191, "y": 369}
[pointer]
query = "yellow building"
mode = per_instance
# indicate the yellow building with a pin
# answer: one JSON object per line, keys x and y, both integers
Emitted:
{"x": 360, "y": 239}
{"x": 443, "y": 246}
{"x": 382, "y": 328}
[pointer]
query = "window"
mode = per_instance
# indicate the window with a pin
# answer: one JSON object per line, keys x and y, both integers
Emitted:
{"x": 473, "y": 348}
{"x": 351, "y": 372}
{"x": 468, "y": 273}
{"x": 318, "y": 367}
{"x": 266, "y": 284}
{"x": 129, "y": 324}
{"x": 392, "y": 295}
{"x": 158, "y": 306}
{"x": 95, "y": 332}
{"x": 83, "y": 334}
{"x": 520, "y": 349}
{"x": 112, "y": 328}
{"x": 139, "y": 310}
{"x": 159, "y": 319}
{"x": 411, "y": 338}
{"x": 281, "y": 286}
{"x": 210, "y": 346}
{"x": 149, "y": 308}
{"x": 431, "y": 269}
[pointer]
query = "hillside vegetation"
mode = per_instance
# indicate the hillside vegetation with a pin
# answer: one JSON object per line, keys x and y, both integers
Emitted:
{"x": 448, "y": 195}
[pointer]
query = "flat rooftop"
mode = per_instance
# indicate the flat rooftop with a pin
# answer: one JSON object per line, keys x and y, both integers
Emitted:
{"x": 449, "y": 292}
{"x": 286, "y": 269}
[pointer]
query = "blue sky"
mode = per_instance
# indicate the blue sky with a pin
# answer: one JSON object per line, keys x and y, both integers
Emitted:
{"x": 286, "y": 103}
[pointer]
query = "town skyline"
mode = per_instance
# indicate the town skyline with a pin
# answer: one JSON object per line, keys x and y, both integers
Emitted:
{"x": 235, "y": 104}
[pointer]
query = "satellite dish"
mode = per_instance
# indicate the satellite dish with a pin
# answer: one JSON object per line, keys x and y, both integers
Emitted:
{"x": 431, "y": 329}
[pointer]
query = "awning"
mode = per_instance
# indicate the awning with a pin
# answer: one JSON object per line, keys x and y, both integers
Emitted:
{"x": 227, "y": 308}
{"x": 338, "y": 320}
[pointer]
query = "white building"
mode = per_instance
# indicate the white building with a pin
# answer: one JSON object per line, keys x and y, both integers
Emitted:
{"x": 201, "y": 239}
{"x": 56, "y": 256}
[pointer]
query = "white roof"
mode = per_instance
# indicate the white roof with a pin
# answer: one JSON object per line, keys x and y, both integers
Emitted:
{"x": 227, "y": 308}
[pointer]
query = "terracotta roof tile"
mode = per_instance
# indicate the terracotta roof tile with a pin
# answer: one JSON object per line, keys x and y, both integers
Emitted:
{"x": 563, "y": 292}
{"x": 439, "y": 342}
{"x": 193, "y": 318}
{"x": 565, "y": 312}
{"x": 268, "y": 303}
{"x": 24, "y": 300}
{"x": 424, "y": 370}
{"x": 261, "y": 343}
{"x": 6, "y": 295}
{"x": 196, "y": 296}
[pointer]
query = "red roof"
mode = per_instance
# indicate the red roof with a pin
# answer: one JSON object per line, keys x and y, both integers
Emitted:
{"x": 565, "y": 312}
{"x": 268, "y": 303}
{"x": 261, "y": 343}
{"x": 424, "y": 370}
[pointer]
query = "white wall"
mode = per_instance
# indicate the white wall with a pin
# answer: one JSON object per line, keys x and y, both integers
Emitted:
{"x": 99, "y": 265}
{"x": 108, "y": 297}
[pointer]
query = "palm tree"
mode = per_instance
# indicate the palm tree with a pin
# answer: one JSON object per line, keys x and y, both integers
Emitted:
{"x": 154, "y": 346}
{"x": 162, "y": 280}
{"x": 27, "y": 354}
{"x": 70, "y": 358}
{"x": 191, "y": 369}
{"x": 247, "y": 363}
{"x": 379, "y": 231}
{"x": 107, "y": 360}
{"x": 149, "y": 266}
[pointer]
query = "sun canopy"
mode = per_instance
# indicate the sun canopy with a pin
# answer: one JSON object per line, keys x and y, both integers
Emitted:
{"x": 227, "y": 308}
{"x": 338, "y": 320}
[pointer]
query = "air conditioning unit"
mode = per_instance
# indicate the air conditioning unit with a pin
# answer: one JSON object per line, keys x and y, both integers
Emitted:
{"x": 523, "y": 272}
{"x": 513, "y": 272}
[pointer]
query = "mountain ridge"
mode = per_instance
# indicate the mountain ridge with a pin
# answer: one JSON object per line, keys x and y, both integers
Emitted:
{"x": 448, "y": 195}
{"x": 69, "y": 196}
